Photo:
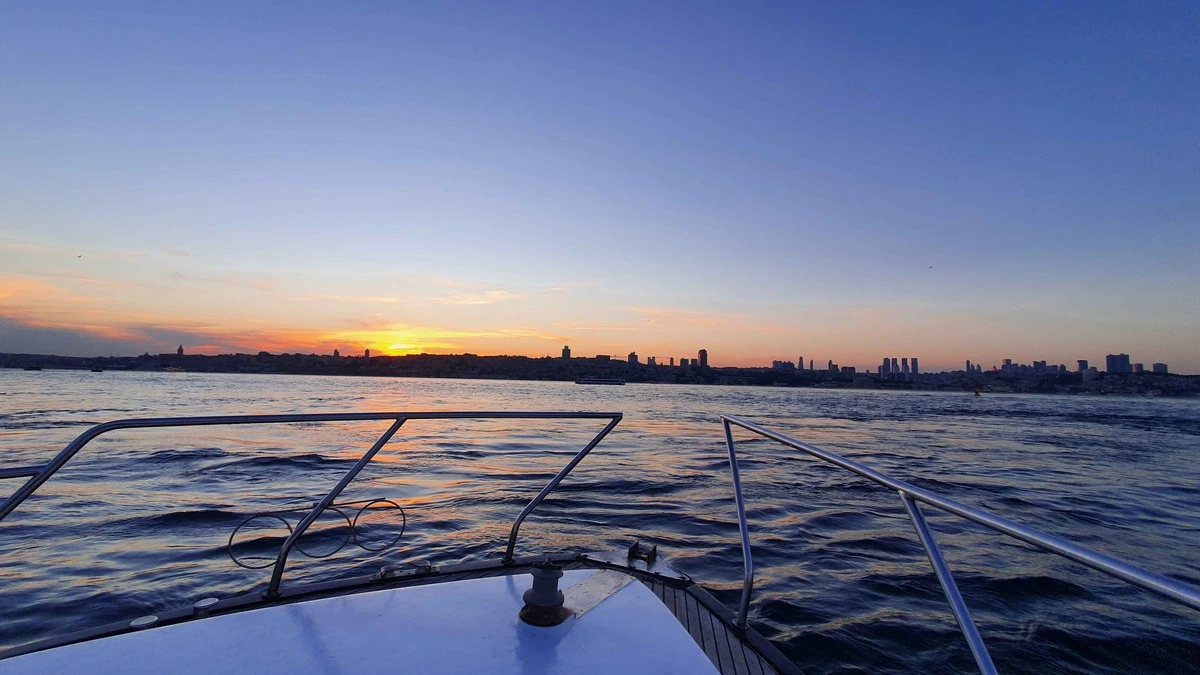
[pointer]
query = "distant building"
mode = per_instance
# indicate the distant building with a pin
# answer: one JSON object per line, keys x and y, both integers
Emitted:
{"x": 895, "y": 370}
{"x": 914, "y": 366}
{"x": 336, "y": 354}
{"x": 566, "y": 353}
{"x": 683, "y": 361}
{"x": 783, "y": 365}
{"x": 1039, "y": 366}
{"x": 1081, "y": 365}
{"x": 1090, "y": 374}
{"x": 179, "y": 352}
{"x": 1159, "y": 368}
{"x": 800, "y": 363}
{"x": 703, "y": 358}
{"x": 650, "y": 361}
{"x": 849, "y": 370}
{"x": 904, "y": 366}
{"x": 810, "y": 364}
{"x": 672, "y": 361}
{"x": 367, "y": 354}
{"x": 969, "y": 369}
{"x": 632, "y": 358}
{"x": 1138, "y": 368}
{"x": 603, "y": 357}
{"x": 1117, "y": 363}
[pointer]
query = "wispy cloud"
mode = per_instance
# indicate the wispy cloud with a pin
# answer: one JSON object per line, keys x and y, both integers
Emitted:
{"x": 478, "y": 297}
{"x": 262, "y": 284}
{"x": 366, "y": 299}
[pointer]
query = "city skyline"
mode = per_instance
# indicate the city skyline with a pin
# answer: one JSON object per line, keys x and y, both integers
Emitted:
{"x": 1114, "y": 363}
{"x": 828, "y": 180}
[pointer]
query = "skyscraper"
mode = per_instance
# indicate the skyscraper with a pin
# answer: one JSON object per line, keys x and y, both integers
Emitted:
{"x": 895, "y": 367}
{"x": 703, "y": 358}
{"x": 566, "y": 352}
{"x": 904, "y": 366}
{"x": 969, "y": 369}
{"x": 672, "y": 361}
{"x": 1117, "y": 363}
{"x": 633, "y": 357}
{"x": 800, "y": 363}
{"x": 1082, "y": 365}
{"x": 914, "y": 366}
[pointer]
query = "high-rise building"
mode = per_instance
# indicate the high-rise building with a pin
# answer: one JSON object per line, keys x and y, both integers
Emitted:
{"x": 703, "y": 358}
{"x": 1138, "y": 368}
{"x": 1081, "y": 365}
{"x": 915, "y": 370}
{"x": 633, "y": 357}
{"x": 886, "y": 368}
{"x": 672, "y": 361}
{"x": 651, "y": 361}
{"x": 179, "y": 352}
{"x": 904, "y": 366}
{"x": 1117, "y": 363}
{"x": 969, "y": 369}
{"x": 810, "y": 364}
{"x": 1159, "y": 368}
{"x": 800, "y": 363}
{"x": 566, "y": 352}
{"x": 366, "y": 353}
{"x": 895, "y": 367}
{"x": 336, "y": 354}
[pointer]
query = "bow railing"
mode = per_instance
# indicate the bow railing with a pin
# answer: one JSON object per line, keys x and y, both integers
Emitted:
{"x": 910, "y": 495}
{"x": 39, "y": 474}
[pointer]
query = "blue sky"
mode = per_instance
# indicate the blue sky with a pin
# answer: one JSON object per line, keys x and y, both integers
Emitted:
{"x": 763, "y": 180}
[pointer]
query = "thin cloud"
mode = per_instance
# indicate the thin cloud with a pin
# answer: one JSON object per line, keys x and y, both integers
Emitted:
{"x": 478, "y": 297}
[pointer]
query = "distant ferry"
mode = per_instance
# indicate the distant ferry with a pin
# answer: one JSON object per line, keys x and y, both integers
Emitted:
{"x": 599, "y": 380}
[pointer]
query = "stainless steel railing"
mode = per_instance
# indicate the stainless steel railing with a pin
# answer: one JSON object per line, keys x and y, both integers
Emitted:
{"x": 39, "y": 474}
{"x": 909, "y": 496}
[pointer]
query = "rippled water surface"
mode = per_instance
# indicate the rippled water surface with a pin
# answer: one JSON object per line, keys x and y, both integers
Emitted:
{"x": 141, "y": 520}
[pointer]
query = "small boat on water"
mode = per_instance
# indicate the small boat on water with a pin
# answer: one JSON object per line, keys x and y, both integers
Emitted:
{"x": 32, "y": 368}
{"x": 600, "y": 380}
{"x": 569, "y": 612}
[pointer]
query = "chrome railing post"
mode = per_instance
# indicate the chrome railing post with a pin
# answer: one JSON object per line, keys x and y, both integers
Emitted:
{"x": 747, "y": 561}
{"x": 512, "y": 535}
{"x": 281, "y": 561}
{"x": 957, "y": 605}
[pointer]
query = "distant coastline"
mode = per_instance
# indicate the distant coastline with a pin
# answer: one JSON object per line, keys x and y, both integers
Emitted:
{"x": 471, "y": 366}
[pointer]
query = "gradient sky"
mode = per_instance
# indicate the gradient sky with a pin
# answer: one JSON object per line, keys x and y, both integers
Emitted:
{"x": 839, "y": 180}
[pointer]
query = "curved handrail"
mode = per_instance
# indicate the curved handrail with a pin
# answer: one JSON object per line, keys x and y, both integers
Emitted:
{"x": 1166, "y": 587}
{"x": 39, "y": 474}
